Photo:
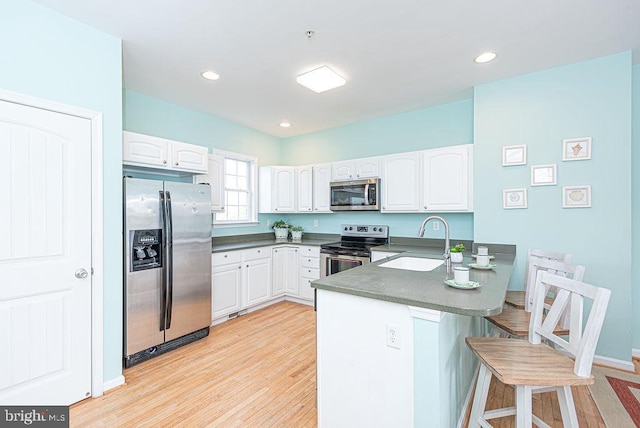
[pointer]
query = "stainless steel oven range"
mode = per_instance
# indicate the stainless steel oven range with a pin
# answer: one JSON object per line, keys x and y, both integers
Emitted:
{"x": 354, "y": 248}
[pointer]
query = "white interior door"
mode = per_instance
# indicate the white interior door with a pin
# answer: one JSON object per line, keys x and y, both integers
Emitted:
{"x": 45, "y": 251}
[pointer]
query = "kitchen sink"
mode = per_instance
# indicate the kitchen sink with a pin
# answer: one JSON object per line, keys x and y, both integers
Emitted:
{"x": 413, "y": 263}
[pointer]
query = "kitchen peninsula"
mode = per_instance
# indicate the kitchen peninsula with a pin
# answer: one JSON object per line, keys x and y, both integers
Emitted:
{"x": 390, "y": 341}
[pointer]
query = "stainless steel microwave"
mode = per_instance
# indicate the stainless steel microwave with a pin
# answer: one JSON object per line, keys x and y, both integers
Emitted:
{"x": 356, "y": 195}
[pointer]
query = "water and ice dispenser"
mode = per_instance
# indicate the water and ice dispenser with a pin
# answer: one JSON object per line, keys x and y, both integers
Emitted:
{"x": 146, "y": 249}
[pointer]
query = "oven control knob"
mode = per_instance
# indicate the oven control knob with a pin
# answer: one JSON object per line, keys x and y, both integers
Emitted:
{"x": 375, "y": 229}
{"x": 350, "y": 228}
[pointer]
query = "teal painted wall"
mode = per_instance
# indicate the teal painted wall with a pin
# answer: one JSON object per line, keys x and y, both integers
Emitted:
{"x": 635, "y": 200}
{"x": 592, "y": 98}
{"x": 47, "y": 55}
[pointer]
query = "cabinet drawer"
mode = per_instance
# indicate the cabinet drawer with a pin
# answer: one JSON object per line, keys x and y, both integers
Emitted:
{"x": 310, "y": 251}
{"x": 311, "y": 273}
{"x": 310, "y": 262}
{"x": 224, "y": 258}
{"x": 256, "y": 253}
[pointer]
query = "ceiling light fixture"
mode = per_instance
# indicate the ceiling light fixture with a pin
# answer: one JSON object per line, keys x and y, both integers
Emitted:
{"x": 285, "y": 124}
{"x": 485, "y": 57}
{"x": 210, "y": 75}
{"x": 321, "y": 79}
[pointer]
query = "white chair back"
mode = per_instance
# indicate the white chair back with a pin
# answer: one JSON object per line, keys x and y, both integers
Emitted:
{"x": 529, "y": 281}
{"x": 570, "y": 294}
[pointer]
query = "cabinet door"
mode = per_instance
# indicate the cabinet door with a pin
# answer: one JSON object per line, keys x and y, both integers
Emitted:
{"x": 225, "y": 290}
{"x": 321, "y": 192}
{"x": 343, "y": 170}
{"x": 257, "y": 281}
{"x": 277, "y": 189}
{"x": 368, "y": 167}
{"x": 189, "y": 157}
{"x": 401, "y": 183}
{"x": 138, "y": 149}
{"x": 291, "y": 274}
{"x": 279, "y": 263}
{"x": 304, "y": 189}
{"x": 446, "y": 179}
{"x": 215, "y": 179}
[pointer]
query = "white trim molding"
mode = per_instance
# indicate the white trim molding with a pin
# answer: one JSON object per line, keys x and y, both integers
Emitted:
{"x": 635, "y": 353}
{"x": 426, "y": 314}
{"x": 113, "y": 383}
{"x": 614, "y": 363}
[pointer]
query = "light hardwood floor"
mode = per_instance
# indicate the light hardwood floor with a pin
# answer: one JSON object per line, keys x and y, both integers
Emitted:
{"x": 257, "y": 370}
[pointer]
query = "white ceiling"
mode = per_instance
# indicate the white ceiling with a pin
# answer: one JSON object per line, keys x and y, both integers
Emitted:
{"x": 397, "y": 55}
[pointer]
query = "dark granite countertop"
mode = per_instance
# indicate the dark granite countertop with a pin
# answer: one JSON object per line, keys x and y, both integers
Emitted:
{"x": 243, "y": 242}
{"x": 427, "y": 289}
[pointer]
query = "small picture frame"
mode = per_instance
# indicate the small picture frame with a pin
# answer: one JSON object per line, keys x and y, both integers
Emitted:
{"x": 544, "y": 175}
{"x": 576, "y": 149}
{"x": 576, "y": 196}
{"x": 514, "y": 198}
{"x": 514, "y": 155}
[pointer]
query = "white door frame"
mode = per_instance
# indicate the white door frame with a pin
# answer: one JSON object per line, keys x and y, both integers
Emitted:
{"x": 97, "y": 234}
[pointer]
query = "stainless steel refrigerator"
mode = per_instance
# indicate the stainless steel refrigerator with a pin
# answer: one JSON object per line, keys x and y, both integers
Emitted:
{"x": 167, "y": 274}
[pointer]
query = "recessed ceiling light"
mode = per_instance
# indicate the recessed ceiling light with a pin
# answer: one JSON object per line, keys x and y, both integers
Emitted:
{"x": 285, "y": 124}
{"x": 321, "y": 79}
{"x": 485, "y": 57}
{"x": 210, "y": 75}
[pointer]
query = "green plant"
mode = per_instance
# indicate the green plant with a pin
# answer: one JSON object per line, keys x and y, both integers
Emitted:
{"x": 458, "y": 248}
{"x": 296, "y": 228}
{"x": 280, "y": 224}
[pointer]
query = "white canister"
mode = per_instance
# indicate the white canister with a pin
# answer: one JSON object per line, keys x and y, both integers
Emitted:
{"x": 483, "y": 251}
{"x": 461, "y": 275}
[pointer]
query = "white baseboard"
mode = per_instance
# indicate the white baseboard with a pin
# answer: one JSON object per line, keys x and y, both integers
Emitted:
{"x": 113, "y": 383}
{"x": 614, "y": 363}
{"x": 635, "y": 353}
{"x": 469, "y": 398}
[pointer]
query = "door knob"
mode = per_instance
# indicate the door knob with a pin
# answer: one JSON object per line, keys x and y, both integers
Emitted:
{"x": 81, "y": 273}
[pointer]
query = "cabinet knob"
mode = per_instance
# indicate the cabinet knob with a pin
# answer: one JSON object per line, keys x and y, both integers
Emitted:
{"x": 425, "y": 207}
{"x": 239, "y": 267}
{"x": 258, "y": 250}
{"x": 225, "y": 256}
{"x": 177, "y": 164}
{"x": 164, "y": 162}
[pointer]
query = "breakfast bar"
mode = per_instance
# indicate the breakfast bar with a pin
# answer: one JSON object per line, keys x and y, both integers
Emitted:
{"x": 390, "y": 338}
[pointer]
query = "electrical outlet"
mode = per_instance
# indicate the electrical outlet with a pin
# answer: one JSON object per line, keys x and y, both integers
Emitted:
{"x": 436, "y": 225}
{"x": 315, "y": 223}
{"x": 268, "y": 223}
{"x": 393, "y": 336}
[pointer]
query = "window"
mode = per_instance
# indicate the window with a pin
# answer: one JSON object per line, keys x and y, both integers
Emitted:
{"x": 239, "y": 173}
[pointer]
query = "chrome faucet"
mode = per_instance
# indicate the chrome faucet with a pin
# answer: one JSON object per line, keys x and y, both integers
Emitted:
{"x": 447, "y": 252}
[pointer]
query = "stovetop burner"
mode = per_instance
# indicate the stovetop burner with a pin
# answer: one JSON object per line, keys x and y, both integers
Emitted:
{"x": 358, "y": 240}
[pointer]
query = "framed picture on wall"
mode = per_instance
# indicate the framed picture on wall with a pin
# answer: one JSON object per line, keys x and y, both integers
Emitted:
{"x": 514, "y": 155}
{"x": 514, "y": 198}
{"x": 576, "y": 196}
{"x": 543, "y": 175}
{"x": 576, "y": 149}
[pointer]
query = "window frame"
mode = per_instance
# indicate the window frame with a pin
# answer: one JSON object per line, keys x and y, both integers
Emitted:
{"x": 252, "y": 181}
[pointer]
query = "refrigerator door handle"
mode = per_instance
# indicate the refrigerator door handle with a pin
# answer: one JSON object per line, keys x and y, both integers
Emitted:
{"x": 169, "y": 225}
{"x": 163, "y": 310}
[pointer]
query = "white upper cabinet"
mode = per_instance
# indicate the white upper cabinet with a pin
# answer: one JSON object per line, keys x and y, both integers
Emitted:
{"x": 277, "y": 189}
{"x": 447, "y": 177}
{"x": 356, "y": 169}
{"x": 304, "y": 189}
{"x": 400, "y": 182}
{"x": 437, "y": 180}
{"x": 161, "y": 153}
{"x": 321, "y": 193}
{"x": 215, "y": 179}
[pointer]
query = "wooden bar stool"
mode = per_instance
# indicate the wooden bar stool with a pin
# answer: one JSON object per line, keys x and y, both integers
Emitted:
{"x": 532, "y": 366}
{"x": 515, "y": 322}
{"x": 517, "y": 299}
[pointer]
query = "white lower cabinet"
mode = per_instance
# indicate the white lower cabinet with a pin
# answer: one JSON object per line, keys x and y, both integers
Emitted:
{"x": 309, "y": 270}
{"x": 285, "y": 270}
{"x": 226, "y": 281}
{"x": 256, "y": 276}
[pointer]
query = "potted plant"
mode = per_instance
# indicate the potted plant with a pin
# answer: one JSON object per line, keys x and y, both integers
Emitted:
{"x": 296, "y": 232}
{"x": 456, "y": 253}
{"x": 281, "y": 229}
